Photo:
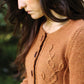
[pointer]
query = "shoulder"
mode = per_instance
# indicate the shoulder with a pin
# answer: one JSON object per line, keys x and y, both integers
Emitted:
{"x": 75, "y": 43}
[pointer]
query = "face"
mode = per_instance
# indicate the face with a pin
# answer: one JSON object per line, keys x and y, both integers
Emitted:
{"x": 32, "y": 7}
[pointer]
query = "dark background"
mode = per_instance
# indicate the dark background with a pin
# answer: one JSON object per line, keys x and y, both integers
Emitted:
{"x": 8, "y": 50}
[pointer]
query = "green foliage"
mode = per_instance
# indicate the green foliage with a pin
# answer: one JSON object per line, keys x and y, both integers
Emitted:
{"x": 3, "y": 13}
{"x": 8, "y": 48}
{"x": 8, "y": 80}
{"x": 2, "y": 22}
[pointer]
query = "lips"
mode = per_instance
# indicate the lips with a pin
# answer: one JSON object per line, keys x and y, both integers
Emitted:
{"x": 29, "y": 11}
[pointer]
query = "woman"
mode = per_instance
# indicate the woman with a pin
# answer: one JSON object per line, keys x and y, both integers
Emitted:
{"x": 52, "y": 40}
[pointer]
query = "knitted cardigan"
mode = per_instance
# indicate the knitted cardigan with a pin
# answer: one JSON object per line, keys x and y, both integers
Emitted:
{"x": 58, "y": 57}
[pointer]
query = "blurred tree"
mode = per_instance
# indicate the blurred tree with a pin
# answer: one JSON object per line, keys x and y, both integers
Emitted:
{"x": 8, "y": 47}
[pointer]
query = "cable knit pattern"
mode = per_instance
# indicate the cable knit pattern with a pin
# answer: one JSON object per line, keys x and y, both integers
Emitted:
{"x": 58, "y": 57}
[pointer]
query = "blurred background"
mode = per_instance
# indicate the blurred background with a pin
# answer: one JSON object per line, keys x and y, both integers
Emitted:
{"x": 8, "y": 50}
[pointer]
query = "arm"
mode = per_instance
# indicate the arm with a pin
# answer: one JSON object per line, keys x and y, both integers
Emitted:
{"x": 76, "y": 59}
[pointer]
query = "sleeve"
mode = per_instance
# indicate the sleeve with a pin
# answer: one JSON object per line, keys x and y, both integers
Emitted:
{"x": 76, "y": 59}
{"x": 25, "y": 81}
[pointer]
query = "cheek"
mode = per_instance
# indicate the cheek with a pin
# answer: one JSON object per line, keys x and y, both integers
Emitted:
{"x": 29, "y": 2}
{"x": 33, "y": 3}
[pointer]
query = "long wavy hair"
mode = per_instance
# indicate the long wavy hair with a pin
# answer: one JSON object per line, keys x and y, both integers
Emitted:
{"x": 28, "y": 28}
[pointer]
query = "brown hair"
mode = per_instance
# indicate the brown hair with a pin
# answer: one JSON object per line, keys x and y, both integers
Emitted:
{"x": 29, "y": 28}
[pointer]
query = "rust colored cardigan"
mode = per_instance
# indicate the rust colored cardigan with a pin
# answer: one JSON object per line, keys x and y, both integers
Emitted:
{"x": 58, "y": 57}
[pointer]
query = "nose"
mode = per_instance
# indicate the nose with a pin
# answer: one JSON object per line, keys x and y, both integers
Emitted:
{"x": 21, "y": 4}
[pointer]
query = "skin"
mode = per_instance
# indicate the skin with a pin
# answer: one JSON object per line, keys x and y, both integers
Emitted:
{"x": 33, "y": 6}
{"x": 36, "y": 12}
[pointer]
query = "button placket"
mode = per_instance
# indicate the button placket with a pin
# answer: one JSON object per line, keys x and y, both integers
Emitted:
{"x": 42, "y": 45}
{"x": 35, "y": 53}
{"x": 42, "y": 37}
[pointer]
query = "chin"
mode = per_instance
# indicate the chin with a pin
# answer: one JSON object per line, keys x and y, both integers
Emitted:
{"x": 36, "y": 17}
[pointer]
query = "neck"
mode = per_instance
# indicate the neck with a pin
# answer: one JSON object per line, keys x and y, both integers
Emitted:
{"x": 51, "y": 25}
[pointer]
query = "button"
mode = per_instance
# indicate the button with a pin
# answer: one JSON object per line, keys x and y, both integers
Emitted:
{"x": 31, "y": 73}
{"x": 35, "y": 54}
{"x": 42, "y": 37}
